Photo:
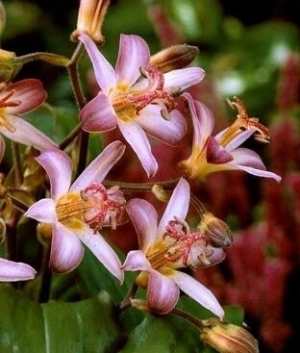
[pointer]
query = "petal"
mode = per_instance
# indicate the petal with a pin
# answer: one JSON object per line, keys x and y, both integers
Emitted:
{"x": 144, "y": 218}
{"x": 178, "y": 205}
{"x": 215, "y": 153}
{"x": 27, "y": 134}
{"x": 100, "y": 166}
{"x": 98, "y": 115}
{"x": 59, "y": 169}
{"x": 102, "y": 250}
{"x": 66, "y": 249}
{"x": 198, "y": 292}
{"x": 136, "y": 137}
{"x": 104, "y": 72}
{"x": 169, "y": 131}
{"x": 133, "y": 54}
{"x": 249, "y": 161}
{"x": 43, "y": 210}
{"x": 15, "y": 271}
{"x": 29, "y": 93}
{"x": 162, "y": 294}
{"x": 136, "y": 261}
{"x": 183, "y": 78}
{"x": 237, "y": 141}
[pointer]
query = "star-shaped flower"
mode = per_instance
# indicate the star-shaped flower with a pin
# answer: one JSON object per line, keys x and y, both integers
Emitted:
{"x": 77, "y": 212}
{"x": 222, "y": 152}
{"x": 166, "y": 247}
{"x": 17, "y": 99}
{"x": 137, "y": 98}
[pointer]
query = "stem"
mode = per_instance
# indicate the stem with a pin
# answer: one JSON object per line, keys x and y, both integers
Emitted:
{"x": 11, "y": 238}
{"x": 188, "y": 317}
{"x": 140, "y": 186}
{"x": 46, "y": 275}
{"x": 17, "y": 164}
{"x": 50, "y": 58}
{"x": 81, "y": 101}
{"x": 71, "y": 137}
{"x": 126, "y": 303}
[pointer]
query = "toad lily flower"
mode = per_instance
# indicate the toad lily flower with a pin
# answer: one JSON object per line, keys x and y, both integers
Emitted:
{"x": 11, "y": 271}
{"x": 217, "y": 153}
{"x": 166, "y": 247}
{"x": 76, "y": 212}
{"x": 137, "y": 97}
{"x": 17, "y": 99}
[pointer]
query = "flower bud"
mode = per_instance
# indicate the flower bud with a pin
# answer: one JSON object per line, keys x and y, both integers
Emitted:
{"x": 228, "y": 338}
{"x": 90, "y": 19}
{"x": 174, "y": 57}
{"x": 216, "y": 231}
{"x": 9, "y": 67}
{"x": 159, "y": 192}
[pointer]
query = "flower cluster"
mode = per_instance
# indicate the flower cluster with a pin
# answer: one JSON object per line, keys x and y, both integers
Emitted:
{"x": 146, "y": 98}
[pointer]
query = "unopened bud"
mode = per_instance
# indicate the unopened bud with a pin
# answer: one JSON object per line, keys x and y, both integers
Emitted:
{"x": 174, "y": 57}
{"x": 9, "y": 67}
{"x": 90, "y": 19}
{"x": 160, "y": 193}
{"x": 216, "y": 231}
{"x": 228, "y": 338}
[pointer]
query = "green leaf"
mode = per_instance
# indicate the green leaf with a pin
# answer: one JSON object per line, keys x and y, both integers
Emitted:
{"x": 163, "y": 334}
{"x": 88, "y": 326}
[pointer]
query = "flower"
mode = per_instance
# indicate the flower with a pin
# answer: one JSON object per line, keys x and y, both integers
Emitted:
{"x": 16, "y": 99}
{"x": 76, "y": 212}
{"x": 11, "y": 271}
{"x": 217, "y": 153}
{"x": 167, "y": 246}
{"x": 90, "y": 19}
{"x": 137, "y": 97}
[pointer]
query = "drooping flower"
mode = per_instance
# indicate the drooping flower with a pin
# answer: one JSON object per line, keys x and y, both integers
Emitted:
{"x": 222, "y": 152}
{"x": 137, "y": 97}
{"x": 17, "y": 99}
{"x": 11, "y": 271}
{"x": 77, "y": 212}
{"x": 166, "y": 247}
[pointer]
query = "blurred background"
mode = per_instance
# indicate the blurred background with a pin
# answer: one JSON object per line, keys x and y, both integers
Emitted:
{"x": 248, "y": 50}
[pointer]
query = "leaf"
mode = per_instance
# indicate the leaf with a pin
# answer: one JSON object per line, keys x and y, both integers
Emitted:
{"x": 163, "y": 334}
{"x": 88, "y": 326}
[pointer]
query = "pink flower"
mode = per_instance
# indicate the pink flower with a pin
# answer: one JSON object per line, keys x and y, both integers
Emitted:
{"x": 137, "y": 98}
{"x": 11, "y": 271}
{"x": 167, "y": 246}
{"x": 212, "y": 154}
{"x": 76, "y": 212}
{"x": 17, "y": 99}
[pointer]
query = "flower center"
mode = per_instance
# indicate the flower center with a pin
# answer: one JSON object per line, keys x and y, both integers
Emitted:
{"x": 5, "y": 103}
{"x": 129, "y": 101}
{"x": 179, "y": 247}
{"x": 94, "y": 206}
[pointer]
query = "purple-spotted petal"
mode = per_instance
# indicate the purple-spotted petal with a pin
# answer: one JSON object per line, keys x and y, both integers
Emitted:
{"x": 169, "y": 131}
{"x": 66, "y": 249}
{"x": 178, "y": 205}
{"x": 183, "y": 78}
{"x": 104, "y": 72}
{"x": 27, "y": 134}
{"x": 144, "y": 218}
{"x": 29, "y": 93}
{"x": 162, "y": 294}
{"x": 136, "y": 137}
{"x": 102, "y": 250}
{"x": 59, "y": 169}
{"x": 98, "y": 115}
{"x": 43, "y": 210}
{"x": 198, "y": 292}
{"x": 100, "y": 166}
{"x": 136, "y": 261}
{"x": 15, "y": 271}
{"x": 133, "y": 54}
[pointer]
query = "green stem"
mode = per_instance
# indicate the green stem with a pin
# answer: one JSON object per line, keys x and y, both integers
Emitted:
{"x": 126, "y": 303}
{"x": 17, "y": 164}
{"x": 54, "y": 59}
{"x": 169, "y": 185}
{"x": 46, "y": 276}
{"x": 188, "y": 317}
